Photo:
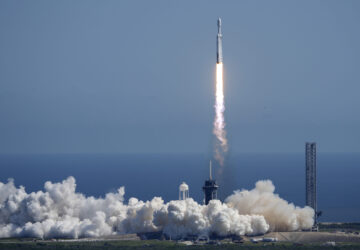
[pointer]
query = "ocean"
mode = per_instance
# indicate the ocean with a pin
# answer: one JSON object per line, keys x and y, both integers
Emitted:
{"x": 147, "y": 175}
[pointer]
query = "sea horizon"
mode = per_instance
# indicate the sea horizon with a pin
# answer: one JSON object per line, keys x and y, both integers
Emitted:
{"x": 145, "y": 176}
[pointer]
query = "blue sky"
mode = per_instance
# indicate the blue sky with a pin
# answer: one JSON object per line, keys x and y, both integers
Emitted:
{"x": 138, "y": 76}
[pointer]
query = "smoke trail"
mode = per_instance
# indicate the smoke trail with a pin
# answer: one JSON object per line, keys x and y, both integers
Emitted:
{"x": 219, "y": 131}
{"x": 60, "y": 212}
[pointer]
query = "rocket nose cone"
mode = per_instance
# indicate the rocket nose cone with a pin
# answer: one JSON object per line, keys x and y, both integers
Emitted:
{"x": 219, "y": 21}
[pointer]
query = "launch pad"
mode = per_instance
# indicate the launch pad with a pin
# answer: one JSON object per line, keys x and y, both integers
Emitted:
{"x": 210, "y": 188}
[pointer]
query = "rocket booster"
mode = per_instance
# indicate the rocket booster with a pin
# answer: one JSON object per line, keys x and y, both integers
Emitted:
{"x": 219, "y": 56}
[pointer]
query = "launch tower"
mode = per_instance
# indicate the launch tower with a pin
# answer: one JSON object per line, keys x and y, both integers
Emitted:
{"x": 310, "y": 152}
{"x": 210, "y": 188}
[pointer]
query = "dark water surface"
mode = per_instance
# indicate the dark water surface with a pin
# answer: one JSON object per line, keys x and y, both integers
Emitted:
{"x": 145, "y": 176}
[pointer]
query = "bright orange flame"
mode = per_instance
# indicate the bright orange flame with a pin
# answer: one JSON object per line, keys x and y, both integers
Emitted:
{"x": 219, "y": 122}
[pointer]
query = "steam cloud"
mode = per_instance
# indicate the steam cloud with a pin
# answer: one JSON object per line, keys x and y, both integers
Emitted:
{"x": 59, "y": 211}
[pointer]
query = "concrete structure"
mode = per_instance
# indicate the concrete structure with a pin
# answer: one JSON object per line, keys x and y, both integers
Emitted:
{"x": 310, "y": 155}
{"x": 210, "y": 188}
{"x": 183, "y": 191}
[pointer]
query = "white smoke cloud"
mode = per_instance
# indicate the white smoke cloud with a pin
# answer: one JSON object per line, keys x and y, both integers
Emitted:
{"x": 59, "y": 211}
{"x": 280, "y": 215}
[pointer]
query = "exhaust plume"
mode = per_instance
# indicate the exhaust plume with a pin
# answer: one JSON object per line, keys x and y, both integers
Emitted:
{"x": 219, "y": 131}
{"x": 60, "y": 212}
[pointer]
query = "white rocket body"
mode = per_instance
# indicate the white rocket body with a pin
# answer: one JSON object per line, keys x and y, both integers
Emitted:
{"x": 219, "y": 56}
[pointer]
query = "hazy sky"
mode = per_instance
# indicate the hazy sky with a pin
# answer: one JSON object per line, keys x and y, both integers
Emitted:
{"x": 138, "y": 76}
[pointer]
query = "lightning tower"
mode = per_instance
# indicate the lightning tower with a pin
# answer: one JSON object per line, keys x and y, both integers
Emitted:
{"x": 310, "y": 154}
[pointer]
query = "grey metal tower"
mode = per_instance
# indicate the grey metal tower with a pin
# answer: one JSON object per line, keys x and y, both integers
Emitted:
{"x": 210, "y": 188}
{"x": 310, "y": 150}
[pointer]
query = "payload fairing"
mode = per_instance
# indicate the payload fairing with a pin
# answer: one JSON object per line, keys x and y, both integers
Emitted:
{"x": 219, "y": 56}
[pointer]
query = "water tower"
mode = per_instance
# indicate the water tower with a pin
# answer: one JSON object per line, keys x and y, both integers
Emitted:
{"x": 183, "y": 191}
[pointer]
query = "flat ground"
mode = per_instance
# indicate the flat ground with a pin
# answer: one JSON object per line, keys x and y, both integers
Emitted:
{"x": 154, "y": 244}
{"x": 345, "y": 236}
{"x": 287, "y": 240}
{"x": 314, "y": 237}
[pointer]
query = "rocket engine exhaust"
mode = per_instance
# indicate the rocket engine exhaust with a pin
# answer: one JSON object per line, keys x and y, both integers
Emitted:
{"x": 219, "y": 131}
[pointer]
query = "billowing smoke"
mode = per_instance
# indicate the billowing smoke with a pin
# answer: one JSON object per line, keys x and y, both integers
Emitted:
{"x": 278, "y": 213}
{"x": 221, "y": 146}
{"x": 59, "y": 211}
